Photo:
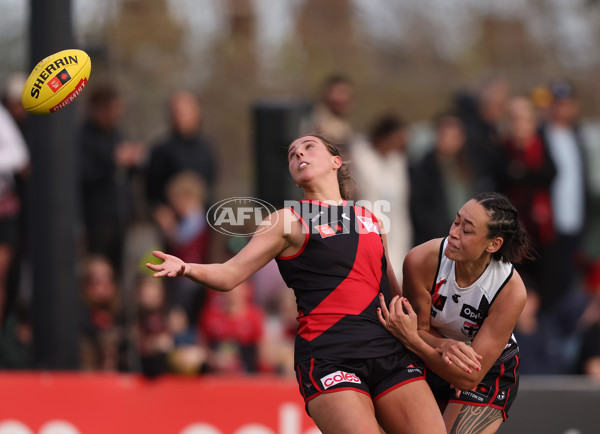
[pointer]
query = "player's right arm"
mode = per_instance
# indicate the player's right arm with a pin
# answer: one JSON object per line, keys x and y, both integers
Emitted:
{"x": 285, "y": 237}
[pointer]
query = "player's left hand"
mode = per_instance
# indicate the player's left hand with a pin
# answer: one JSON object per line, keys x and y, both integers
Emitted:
{"x": 171, "y": 266}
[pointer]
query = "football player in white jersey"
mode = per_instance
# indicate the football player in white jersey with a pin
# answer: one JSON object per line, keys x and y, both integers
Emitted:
{"x": 461, "y": 301}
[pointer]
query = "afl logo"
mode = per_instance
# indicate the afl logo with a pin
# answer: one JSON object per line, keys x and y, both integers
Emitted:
{"x": 241, "y": 216}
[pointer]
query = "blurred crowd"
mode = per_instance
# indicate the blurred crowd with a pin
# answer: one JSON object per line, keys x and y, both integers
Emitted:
{"x": 535, "y": 146}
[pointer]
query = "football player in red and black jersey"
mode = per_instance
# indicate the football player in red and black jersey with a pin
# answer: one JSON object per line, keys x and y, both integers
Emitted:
{"x": 353, "y": 374}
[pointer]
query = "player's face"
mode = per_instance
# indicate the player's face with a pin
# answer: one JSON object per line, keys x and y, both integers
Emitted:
{"x": 309, "y": 158}
{"x": 468, "y": 238}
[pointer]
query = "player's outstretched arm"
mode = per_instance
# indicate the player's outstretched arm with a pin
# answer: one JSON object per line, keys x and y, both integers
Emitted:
{"x": 263, "y": 247}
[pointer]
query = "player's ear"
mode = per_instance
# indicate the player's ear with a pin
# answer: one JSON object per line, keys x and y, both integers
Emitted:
{"x": 337, "y": 161}
{"x": 495, "y": 244}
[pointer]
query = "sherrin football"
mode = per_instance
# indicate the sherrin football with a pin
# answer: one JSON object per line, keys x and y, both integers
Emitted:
{"x": 56, "y": 81}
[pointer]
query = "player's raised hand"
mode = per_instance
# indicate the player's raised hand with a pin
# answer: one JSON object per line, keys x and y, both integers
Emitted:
{"x": 171, "y": 266}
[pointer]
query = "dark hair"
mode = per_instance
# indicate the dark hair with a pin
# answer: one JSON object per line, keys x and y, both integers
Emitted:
{"x": 561, "y": 88}
{"x": 504, "y": 222}
{"x": 102, "y": 95}
{"x": 335, "y": 79}
{"x": 344, "y": 176}
{"x": 446, "y": 116}
{"x": 385, "y": 126}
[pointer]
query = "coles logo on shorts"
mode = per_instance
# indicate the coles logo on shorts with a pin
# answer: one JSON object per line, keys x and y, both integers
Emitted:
{"x": 339, "y": 377}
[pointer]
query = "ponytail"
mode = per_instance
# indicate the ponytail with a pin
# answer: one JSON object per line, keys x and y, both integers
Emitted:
{"x": 504, "y": 223}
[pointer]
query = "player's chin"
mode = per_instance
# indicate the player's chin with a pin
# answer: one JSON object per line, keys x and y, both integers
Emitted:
{"x": 451, "y": 253}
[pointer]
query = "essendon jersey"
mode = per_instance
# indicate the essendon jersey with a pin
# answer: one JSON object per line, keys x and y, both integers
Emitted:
{"x": 336, "y": 277}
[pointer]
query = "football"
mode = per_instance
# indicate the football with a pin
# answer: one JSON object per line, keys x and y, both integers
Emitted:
{"x": 56, "y": 81}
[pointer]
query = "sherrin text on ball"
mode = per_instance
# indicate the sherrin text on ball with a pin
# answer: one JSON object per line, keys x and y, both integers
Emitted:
{"x": 56, "y": 81}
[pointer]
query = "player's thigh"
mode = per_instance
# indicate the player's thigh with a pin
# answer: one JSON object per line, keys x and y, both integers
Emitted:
{"x": 472, "y": 419}
{"x": 346, "y": 411}
{"x": 410, "y": 408}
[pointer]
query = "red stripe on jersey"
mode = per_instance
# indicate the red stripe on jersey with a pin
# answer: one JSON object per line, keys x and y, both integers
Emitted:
{"x": 307, "y": 232}
{"x": 356, "y": 291}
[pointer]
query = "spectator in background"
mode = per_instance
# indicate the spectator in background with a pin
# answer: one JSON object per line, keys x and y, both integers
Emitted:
{"x": 14, "y": 162}
{"x": 184, "y": 229}
{"x": 108, "y": 164}
{"x": 185, "y": 148}
{"x": 545, "y": 346}
{"x": 165, "y": 340}
{"x": 441, "y": 181}
{"x": 330, "y": 115}
{"x": 281, "y": 325}
{"x": 380, "y": 168}
{"x": 233, "y": 326}
{"x": 152, "y": 337}
{"x": 483, "y": 117}
{"x": 102, "y": 332}
{"x": 16, "y": 339}
{"x": 569, "y": 189}
{"x": 268, "y": 285}
{"x": 526, "y": 182}
{"x": 588, "y": 358}
{"x": 11, "y": 99}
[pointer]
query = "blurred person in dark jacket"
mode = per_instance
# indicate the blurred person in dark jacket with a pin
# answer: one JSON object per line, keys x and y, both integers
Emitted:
{"x": 527, "y": 181}
{"x": 14, "y": 163}
{"x": 483, "y": 115}
{"x": 108, "y": 164}
{"x": 441, "y": 181}
{"x": 184, "y": 149}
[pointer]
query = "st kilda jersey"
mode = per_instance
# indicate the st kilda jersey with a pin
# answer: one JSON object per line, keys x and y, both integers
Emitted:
{"x": 336, "y": 277}
{"x": 458, "y": 313}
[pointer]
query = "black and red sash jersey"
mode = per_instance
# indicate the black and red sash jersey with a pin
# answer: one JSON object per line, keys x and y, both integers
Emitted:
{"x": 336, "y": 277}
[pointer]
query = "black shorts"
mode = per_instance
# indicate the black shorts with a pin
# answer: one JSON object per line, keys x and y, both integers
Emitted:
{"x": 373, "y": 377}
{"x": 498, "y": 389}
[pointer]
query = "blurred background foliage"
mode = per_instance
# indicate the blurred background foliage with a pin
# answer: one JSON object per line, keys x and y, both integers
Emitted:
{"x": 405, "y": 56}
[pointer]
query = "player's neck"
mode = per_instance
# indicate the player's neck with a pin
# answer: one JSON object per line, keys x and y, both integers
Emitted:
{"x": 328, "y": 193}
{"x": 331, "y": 199}
{"x": 467, "y": 273}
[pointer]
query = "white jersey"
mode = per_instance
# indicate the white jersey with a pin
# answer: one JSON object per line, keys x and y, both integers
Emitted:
{"x": 458, "y": 313}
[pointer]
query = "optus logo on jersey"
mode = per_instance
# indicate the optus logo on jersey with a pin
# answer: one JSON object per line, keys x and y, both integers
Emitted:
{"x": 338, "y": 377}
{"x": 245, "y": 216}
